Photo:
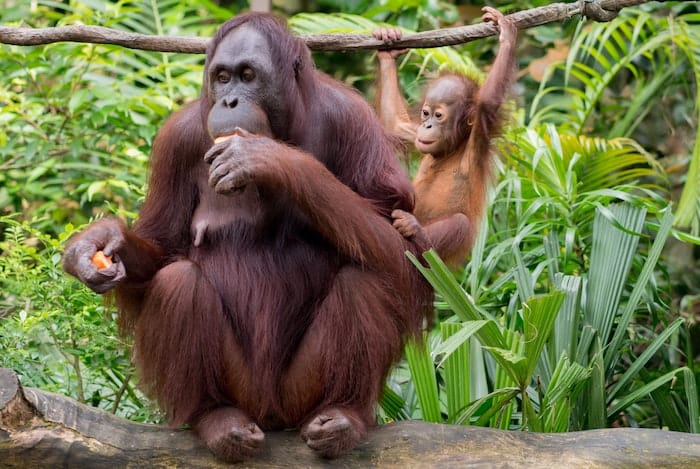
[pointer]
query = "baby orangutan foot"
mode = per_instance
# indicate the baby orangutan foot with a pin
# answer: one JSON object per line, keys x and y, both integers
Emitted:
{"x": 230, "y": 434}
{"x": 333, "y": 432}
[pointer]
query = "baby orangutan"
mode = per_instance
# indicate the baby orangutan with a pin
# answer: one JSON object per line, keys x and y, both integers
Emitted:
{"x": 458, "y": 122}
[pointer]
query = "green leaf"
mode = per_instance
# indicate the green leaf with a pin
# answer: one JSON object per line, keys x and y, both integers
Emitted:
{"x": 455, "y": 335}
{"x": 423, "y": 374}
{"x": 568, "y": 382}
{"x": 611, "y": 258}
{"x": 522, "y": 276}
{"x": 456, "y": 366}
{"x": 530, "y": 420}
{"x": 613, "y": 351}
{"x": 641, "y": 392}
{"x": 393, "y": 405}
{"x": 513, "y": 363}
{"x": 485, "y": 407}
{"x": 688, "y": 213}
{"x": 632, "y": 371}
{"x": 539, "y": 314}
{"x": 595, "y": 403}
{"x": 444, "y": 283}
{"x": 691, "y": 394}
{"x": 567, "y": 321}
{"x": 79, "y": 99}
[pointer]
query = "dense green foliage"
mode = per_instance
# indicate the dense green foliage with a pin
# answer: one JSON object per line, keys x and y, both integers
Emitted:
{"x": 572, "y": 313}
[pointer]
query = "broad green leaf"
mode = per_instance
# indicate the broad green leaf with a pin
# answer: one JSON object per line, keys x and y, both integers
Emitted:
{"x": 613, "y": 351}
{"x": 522, "y": 276}
{"x": 393, "y": 404}
{"x": 512, "y": 362}
{"x": 567, "y": 321}
{"x": 423, "y": 374}
{"x": 539, "y": 314}
{"x": 611, "y": 258}
{"x": 595, "y": 390}
{"x": 445, "y": 285}
{"x": 454, "y": 336}
{"x": 456, "y": 366}
{"x": 691, "y": 394}
{"x": 567, "y": 381}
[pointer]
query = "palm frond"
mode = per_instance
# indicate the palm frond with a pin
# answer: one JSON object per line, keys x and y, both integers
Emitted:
{"x": 599, "y": 55}
{"x": 688, "y": 213}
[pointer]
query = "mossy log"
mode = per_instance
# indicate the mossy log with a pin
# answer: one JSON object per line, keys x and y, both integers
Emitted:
{"x": 40, "y": 429}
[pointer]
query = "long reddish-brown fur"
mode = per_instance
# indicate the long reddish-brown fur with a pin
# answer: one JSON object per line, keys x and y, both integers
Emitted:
{"x": 303, "y": 306}
{"x": 450, "y": 185}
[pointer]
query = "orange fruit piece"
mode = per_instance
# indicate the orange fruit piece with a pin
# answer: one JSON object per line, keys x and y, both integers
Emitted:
{"x": 101, "y": 261}
{"x": 223, "y": 138}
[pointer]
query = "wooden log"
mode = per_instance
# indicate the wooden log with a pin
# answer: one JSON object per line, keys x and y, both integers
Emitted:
{"x": 40, "y": 429}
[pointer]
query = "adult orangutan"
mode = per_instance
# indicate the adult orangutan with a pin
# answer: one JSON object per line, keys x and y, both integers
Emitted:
{"x": 458, "y": 122}
{"x": 263, "y": 282}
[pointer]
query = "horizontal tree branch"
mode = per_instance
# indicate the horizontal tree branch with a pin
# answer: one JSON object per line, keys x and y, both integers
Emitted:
{"x": 602, "y": 10}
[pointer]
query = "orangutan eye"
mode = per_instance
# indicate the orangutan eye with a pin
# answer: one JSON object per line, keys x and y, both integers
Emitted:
{"x": 438, "y": 115}
{"x": 247, "y": 75}
{"x": 223, "y": 76}
{"x": 425, "y": 113}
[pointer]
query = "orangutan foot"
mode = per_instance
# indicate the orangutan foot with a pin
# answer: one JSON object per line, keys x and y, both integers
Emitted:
{"x": 230, "y": 434}
{"x": 333, "y": 432}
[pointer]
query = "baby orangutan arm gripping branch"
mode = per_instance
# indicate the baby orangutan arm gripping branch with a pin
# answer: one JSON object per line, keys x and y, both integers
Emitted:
{"x": 458, "y": 122}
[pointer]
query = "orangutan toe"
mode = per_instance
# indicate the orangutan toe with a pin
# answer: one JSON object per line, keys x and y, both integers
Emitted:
{"x": 230, "y": 434}
{"x": 333, "y": 432}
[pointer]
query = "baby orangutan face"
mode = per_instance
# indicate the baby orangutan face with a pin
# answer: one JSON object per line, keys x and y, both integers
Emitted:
{"x": 440, "y": 108}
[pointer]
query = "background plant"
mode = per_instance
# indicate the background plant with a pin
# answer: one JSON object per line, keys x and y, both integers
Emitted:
{"x": 55, "y": 333}
{"x": 77, "y": 124}
{"x": 618, "y": 74}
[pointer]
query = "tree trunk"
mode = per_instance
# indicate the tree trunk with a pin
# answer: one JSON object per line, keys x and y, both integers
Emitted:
{"x": 40, "y": 429}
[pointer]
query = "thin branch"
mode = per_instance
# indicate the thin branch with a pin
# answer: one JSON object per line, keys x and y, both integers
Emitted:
{"x": 120, "y": 392}
{"x": 602, "y": 10}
